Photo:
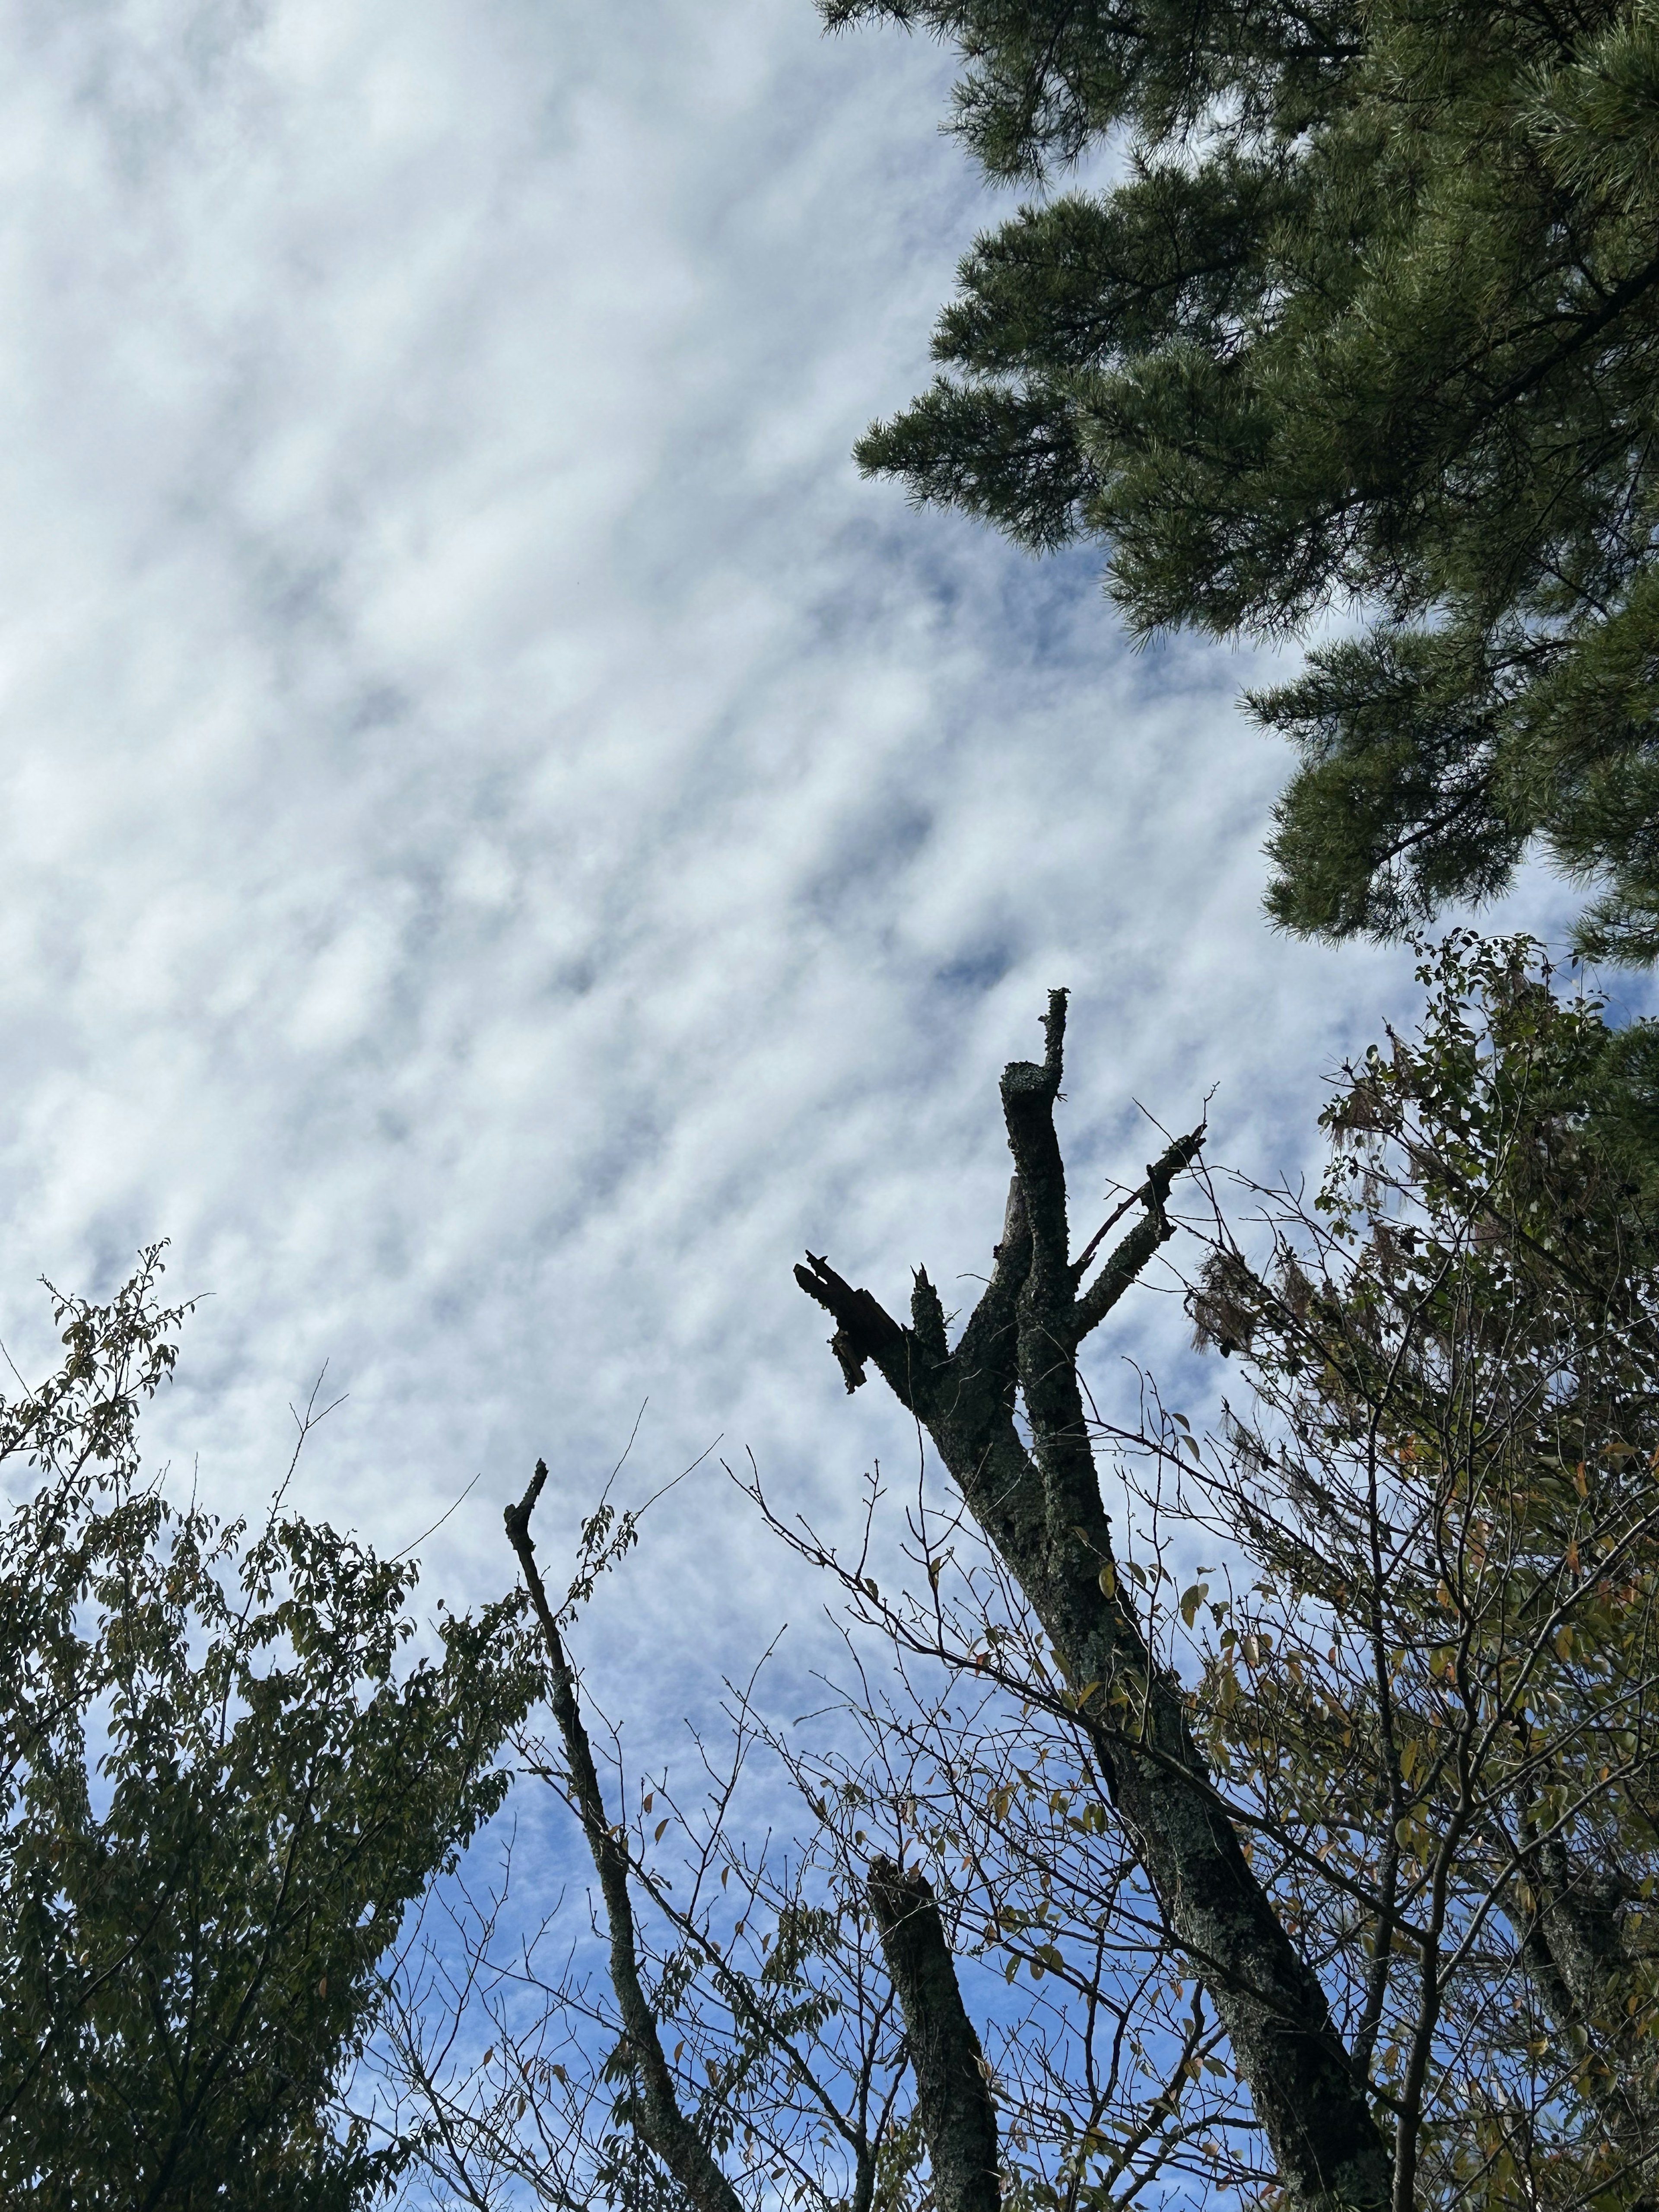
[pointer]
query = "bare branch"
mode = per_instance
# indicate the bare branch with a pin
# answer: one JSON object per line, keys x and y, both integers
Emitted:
{"x": 662, "y": 2123}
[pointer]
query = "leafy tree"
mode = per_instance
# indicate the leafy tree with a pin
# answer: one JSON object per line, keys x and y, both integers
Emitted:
{"x": 220, "y": 1793}
{"x": 1368, "y": 319}
{"x": 1439, "y": 1701}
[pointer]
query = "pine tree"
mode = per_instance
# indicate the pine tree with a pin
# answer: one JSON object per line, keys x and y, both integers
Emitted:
{"x": 1370, "y": 322}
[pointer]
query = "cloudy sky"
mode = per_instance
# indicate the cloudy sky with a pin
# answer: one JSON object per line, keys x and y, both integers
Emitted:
{"x": 506, "y": 838}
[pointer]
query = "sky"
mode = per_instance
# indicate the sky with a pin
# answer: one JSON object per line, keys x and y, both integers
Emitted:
{"x": 506, "y": 839}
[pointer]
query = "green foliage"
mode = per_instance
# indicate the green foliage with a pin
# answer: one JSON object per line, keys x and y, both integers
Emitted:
{"x": 1437, "y": 1707}
{"x": 1370, "y": 318}
{"x": 220, "y": 1793}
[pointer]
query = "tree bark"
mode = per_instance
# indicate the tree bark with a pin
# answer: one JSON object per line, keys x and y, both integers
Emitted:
{"x": 1041, "y": 1508}
{"x": 953, "y": 2089}
{"x": 1575, "y": 1954}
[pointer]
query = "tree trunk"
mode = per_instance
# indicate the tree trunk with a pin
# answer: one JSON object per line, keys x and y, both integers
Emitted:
{"x": 953, "y": 2089}
{"x": 1042, "y": 1510}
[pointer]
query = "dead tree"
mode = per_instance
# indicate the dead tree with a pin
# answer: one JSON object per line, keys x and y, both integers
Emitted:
{"x": 663, "y": 2124}
{"x": 1040, "y": 1507}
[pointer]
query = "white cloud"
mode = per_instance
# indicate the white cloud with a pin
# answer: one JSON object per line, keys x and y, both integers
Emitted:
{"x": 505, "y": 839}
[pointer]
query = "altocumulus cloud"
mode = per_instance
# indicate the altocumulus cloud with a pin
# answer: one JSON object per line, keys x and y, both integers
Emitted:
{"x": 506, "y": 839}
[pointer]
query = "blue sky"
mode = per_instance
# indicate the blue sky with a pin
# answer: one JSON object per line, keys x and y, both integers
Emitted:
{"x": 506, "y": 839}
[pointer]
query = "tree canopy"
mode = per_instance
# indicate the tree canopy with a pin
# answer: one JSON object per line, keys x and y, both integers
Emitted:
{"x": 1367, "y": 321}
{"x": 219, "y": 1793}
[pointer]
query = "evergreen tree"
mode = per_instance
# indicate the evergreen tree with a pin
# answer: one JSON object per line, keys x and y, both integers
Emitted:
{"x": 1369, "y": 320}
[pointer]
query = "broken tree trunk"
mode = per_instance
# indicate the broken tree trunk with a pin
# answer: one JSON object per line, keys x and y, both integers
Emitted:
{"x": 1041, "y": 1508}
{"x": 953, "y": 2088}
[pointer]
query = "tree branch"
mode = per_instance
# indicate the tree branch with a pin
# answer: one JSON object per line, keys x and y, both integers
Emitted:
{"x": 865, "y": 1330}
{"x": 662, "y": 2123}
{"x": 1130, "y": 1254}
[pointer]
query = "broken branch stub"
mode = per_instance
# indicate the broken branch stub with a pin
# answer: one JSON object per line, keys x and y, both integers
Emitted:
{"x": 953, "y": 2088}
